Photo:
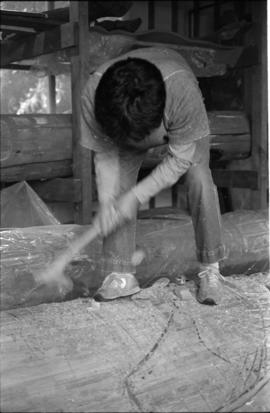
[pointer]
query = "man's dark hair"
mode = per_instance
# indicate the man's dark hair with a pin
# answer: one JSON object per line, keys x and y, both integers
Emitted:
{"x": 130, "y": 100}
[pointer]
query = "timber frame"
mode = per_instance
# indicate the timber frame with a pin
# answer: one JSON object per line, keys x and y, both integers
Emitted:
{"x": 54, "y": 37}
{"x": 73, "y": 36}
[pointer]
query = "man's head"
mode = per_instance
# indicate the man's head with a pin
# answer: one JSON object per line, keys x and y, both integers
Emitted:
{"x": 130, "y": 100}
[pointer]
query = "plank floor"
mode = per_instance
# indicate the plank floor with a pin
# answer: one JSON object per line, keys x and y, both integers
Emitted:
{"x": 158, "y": 351}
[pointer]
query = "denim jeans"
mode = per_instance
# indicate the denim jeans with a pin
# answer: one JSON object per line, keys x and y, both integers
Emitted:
{"x": 122, "y": 173}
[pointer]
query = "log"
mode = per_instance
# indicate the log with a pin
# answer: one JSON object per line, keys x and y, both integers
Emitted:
{"x": 159, "y": 351}
{"x": 59, "y": 189}
{"x": 40, "y": 146}
{"x": 167, "y": 239}
{"x": 205, "y": 58}
{"x": 35, "y": 139}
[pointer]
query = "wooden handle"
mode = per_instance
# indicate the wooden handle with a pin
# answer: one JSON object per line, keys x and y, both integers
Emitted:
{"x": 55, "y": 272}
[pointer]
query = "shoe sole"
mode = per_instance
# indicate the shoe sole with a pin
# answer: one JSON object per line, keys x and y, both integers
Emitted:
{"x": 207, "y": 301}
{"x": 99, "y": 294}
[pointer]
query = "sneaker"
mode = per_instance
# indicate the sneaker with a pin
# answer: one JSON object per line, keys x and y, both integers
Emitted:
{"x": 117, "y": 285}
{"x": 210, "y": 289}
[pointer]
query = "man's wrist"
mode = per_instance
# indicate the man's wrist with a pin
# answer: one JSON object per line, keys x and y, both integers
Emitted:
{"x": 136, "y": 195}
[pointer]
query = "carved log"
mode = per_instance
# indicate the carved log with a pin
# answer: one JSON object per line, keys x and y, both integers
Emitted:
{"x": 35, "y": 139}
{"x": 160, "y": 351}
{"x": 40, "y": 146}
{"x": 206, "y": 59}
{"x": 168, "y": 241}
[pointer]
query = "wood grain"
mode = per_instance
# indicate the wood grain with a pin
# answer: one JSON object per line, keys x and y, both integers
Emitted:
{"x": 30, "y": 144}
{"x": 161, "y": 351}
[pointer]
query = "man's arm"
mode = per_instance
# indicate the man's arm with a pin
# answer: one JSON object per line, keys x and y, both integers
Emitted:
{"x": 167, "y": 173}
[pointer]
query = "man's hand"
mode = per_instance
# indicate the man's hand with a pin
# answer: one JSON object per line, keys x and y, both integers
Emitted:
{"x": 128, "y": 205}
{"x": 114, "y": 213}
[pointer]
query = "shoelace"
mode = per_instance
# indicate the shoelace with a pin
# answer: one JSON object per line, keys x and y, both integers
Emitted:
{"x": 213, "y": 275}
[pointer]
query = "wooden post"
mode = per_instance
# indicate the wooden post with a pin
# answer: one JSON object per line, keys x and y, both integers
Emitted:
{"x": 52, "y": 93}
{"x": 82, "y": 160}
{"x": 196, "y": 19}
{"x": 51, "y": 78}
{"x": 174, "y": 16}
{"x": 255, "y": 98}
{"x": 259, "y": 107}
{"x": 151, "y": 15}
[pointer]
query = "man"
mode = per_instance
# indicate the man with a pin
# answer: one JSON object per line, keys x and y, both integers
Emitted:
{"x": 140, "y": 100}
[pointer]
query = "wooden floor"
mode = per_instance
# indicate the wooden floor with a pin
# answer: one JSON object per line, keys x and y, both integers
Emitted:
{"x": 158, "y": 351}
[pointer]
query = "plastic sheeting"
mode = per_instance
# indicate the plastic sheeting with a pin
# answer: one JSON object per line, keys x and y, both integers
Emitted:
{"x": 167, "y": 240}
{"x": 22, "y": 207}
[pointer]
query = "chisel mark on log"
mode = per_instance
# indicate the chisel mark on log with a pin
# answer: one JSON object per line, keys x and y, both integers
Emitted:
{"x": 144, "y": 360}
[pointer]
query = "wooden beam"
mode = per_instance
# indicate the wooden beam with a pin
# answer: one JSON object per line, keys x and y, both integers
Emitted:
{"x": 151, "y": 14}
{"x": 174, "y": 15}
{"x": 51, "y": 78}
{"x": 32, "y": 46}
{"x": 205, "y": 58}
{"x": 37, "y": 141}
{"x": 52, "y": 93}
{"x": 33, "y": 171}
{"x": 259, "y": 108}
{"x": 232, "y": 179}
{"x": 16, "y": 66}
{"x": 225, "y": 122}
{"x": 59, "y": 189}
{"x": 30, "y": 139}
{"x": 82, "y": 159}
{"x": 235, "y": 179}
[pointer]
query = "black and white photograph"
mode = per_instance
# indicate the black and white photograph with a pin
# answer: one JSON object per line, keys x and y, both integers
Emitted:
{"x": 134, "y": 206}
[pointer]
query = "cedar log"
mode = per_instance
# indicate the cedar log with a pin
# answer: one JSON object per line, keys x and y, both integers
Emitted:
{"x": 158, "y": 351}
{"x": 40, "y": 146}
{"x": 167, "y": 239}
{"x": 205, "y": 58}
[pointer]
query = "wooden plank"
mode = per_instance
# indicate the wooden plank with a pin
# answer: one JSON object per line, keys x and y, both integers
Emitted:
{"x": 46, "y": 138}
{"x": 228, "y": 122}
{"x": 222, "y": 148}
{"x": 40, "y": 146}
{"x": 45, "y": 42}
{"x": 59, "y": 189}
{"x": 232, "y": 179}
{"x": 33, "y": 171}
{"x": 229, "y": 147}
{"x": 235, "y": 179}
{"x": 82, "y": 159}
{"x": 30, "y": 139}
{"x": 38, "y": 21}
{"x": 16, "y": 66}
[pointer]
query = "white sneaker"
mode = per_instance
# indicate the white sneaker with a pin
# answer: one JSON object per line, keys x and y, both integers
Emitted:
{"x": 117, "y": 285}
